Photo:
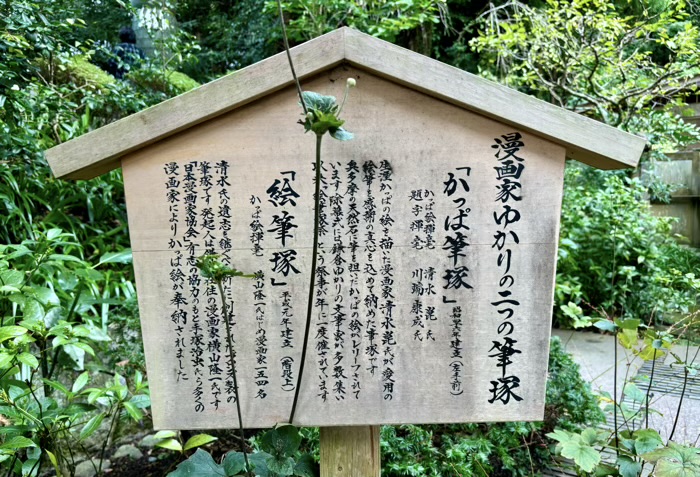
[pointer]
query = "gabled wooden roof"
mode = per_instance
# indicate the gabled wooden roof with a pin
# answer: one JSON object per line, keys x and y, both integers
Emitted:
{"x": 585, "y": 140}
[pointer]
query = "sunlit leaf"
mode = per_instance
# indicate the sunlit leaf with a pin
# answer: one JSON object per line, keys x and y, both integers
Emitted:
{"x": 80, "y": 382}
{"x": 198, "y": 441}
{"x": 91, "y": 426}
{"x": 9, "y": 332}
{"x": 123, "y": 256}
{"x": 170, "y": 444}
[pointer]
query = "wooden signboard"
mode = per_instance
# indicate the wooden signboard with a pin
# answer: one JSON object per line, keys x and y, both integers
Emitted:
{"x": 433, "y": 296}
{"x": 434, "y": 286}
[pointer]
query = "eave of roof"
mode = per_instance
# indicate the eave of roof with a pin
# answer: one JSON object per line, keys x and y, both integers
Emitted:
{"x": 585, "y": 140}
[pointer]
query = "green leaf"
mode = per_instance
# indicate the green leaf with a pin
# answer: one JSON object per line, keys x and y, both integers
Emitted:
{"x": 633, "y": 392}
{"x": 170, "y": 444}
{"x": 589, "y": 436}
{"x": 646, "y": 440}
{"x": 46, "y": 296}
{"x": 604, "y": 470}
{"x": 200, "y": 464}
{"x": 675, "y": 461}
{"x": 629, "y": 467}
{"x": 123, "y": 256}
{"x": 30, "y": 468}
{"x": 199, "y": 440}
{"x": 585, "y": 456}
{"x": 647, "y": 353}
{"x": 53, "y": 234}
{"x": 90, "y": 330}
{"x": 80, "y": 382}
{"x": 281, "y": 441}
{"x": 133, "y": 411}
{"x": 281, "y": 465}
{"x": 76, "y": 353}
{"x": 258, "y": 462}
{"x": 628, "y": 338}
{"x": 341, "y": 134}
{"x": 52, "y": 316}
{"x": 54, "y": 462}
{"x": 9, "y": 332}
{"x": 629, "y": 324}
{"x": 141, "y": 401}
{"x": 605, "y": 325}
{"x": 165, "y": 434}
{"x": 325, "y": 122}
{"x": 306, "y": 467}
{"x": 234, "y": 463}
{"x": 17, "y": 442}
{"x": 559, "y": 435}
{"x": 324, "y": 104}
{"x": 56, "y": 385}
{"x": 58, "y": 257}
{"x": 91, "y": 426}
{"x": 6, "y": 359}
{"x": 28, "y": 359}
{"x": 13, "y": 278}
{"x": 83, "y": 346}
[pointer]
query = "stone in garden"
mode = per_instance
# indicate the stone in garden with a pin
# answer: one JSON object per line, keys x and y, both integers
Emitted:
{"x": 128, "y": 450}
{"x": 87, "y": 468}
{"x": 149, "y": 441}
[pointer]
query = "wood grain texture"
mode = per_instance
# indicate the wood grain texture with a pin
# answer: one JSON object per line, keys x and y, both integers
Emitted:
{"x": 350, "y": 451}
{"x": 261, "y": 142}
{"x": 585, "y": 140}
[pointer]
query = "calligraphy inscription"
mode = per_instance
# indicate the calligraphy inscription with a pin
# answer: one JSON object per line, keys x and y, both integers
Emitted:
{"x": 433, "y": 290}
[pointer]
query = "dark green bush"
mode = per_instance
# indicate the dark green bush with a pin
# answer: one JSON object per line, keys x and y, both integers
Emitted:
{"x": 615, "y": 256}
{"x": 169, "y": 83}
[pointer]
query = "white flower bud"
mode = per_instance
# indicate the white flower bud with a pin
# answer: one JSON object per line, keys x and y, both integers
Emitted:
{"x": 310, "y": 116}
{"x": 351, "y": 82}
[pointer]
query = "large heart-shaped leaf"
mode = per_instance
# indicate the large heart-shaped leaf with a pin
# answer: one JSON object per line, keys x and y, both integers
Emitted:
{"x": 584, "y": 455}
{"x": 281, "y": 441}
{"x": 201, "y": 464}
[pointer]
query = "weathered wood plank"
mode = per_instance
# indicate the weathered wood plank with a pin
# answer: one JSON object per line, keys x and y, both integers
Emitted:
{"x": 350, "y": 451}
{"x": 586, "y": 140}
{"x": 99, "y": 151}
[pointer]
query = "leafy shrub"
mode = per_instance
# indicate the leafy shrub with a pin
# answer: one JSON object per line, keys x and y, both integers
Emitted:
{"x": 278, "y": 453}
{"x": 80, "y": 71}
{"x": 52, "y": 320}
{"x": 410, "y": 23}
{"x": 231, "y": 35}
{"x": 616, "y": 257}
{"x": 503, "y": 449}
{"x": 170, "y": 83}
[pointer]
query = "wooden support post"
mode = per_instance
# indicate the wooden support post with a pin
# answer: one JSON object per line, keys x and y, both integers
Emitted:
{"x": 351, "y": 451}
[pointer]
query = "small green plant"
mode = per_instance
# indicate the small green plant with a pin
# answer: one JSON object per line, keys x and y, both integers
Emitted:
{"x": 278, "y": 455}
{"x": 49, "y": 328}
{"x": 172, "y": 440}
{"x": 636, "y": 446}
{"x": 216, "y": 271}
